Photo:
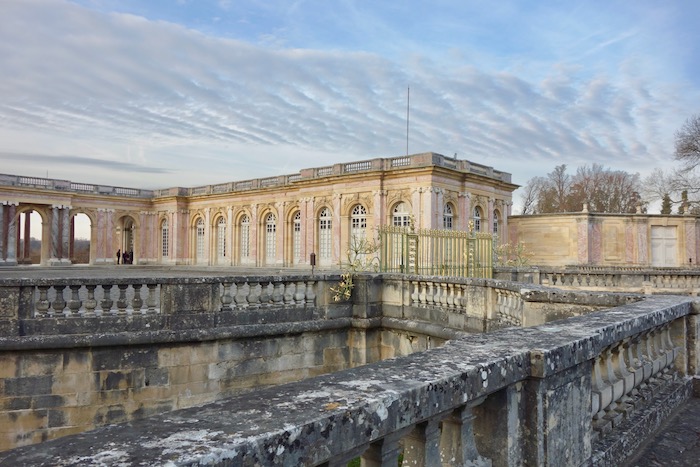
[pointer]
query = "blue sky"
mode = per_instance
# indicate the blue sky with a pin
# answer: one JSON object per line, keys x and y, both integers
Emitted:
{"x": 158, "y": 93}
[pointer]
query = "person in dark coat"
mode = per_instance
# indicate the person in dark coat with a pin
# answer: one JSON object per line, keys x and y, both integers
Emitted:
{"x": 119, "y": 255}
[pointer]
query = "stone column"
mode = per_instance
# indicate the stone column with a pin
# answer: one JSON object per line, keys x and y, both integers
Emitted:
{"x": 253, "y": 237}
{"x": 691, "y": 253}
{"x": 3, "y": 233}
{"x": 416, "y": 208}
{"x": 438, "y": 209}
{"x": 464, "y": 210}
{"x": 26, "y": 244}
{"x": 11, "y": 258}
{"x": 65, "y": 235}
{"x": 379, "y": 214}
{"x": 490, "y": 215}
{"x": 336, "y": 229}
{"x": 280, "y": 233}
{"x": 55, "y": 233}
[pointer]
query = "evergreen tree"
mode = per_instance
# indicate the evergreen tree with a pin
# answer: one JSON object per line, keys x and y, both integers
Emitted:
{"x": 666, "y": 204}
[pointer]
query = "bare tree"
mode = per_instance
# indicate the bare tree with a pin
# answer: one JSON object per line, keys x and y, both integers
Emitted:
{"x": 688, "y": 143}
{"x": 603, "y": 190}
{"x": 531, "y": 193}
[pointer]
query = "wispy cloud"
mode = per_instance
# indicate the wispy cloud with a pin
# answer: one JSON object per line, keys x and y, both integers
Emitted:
{"x": 136, "y": 93}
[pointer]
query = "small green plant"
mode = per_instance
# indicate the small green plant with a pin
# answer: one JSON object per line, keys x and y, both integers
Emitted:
{"x": 361, "y": 255}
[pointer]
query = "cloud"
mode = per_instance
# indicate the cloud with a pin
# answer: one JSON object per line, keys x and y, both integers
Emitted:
{"x": 79, "y": 161}
{"x": 146, "y": 96}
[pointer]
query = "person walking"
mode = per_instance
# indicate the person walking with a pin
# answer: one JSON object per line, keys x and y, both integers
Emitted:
{"x": 119, "y": 255}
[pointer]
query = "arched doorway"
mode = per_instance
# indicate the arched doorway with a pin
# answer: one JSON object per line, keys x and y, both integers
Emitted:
{"x": 127, "y": 243}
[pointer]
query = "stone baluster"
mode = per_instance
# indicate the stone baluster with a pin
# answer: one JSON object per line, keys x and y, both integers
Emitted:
{"x": 450, "y": 295}
{"x": 654, "y": 354}
{"x": 459, "y": 300}
{"x": 59, "y": 302}
{"x": 226, "y": 297}
{"x": 289, "y": 294}
{"x": 151, "y": 300}
{"x": 645, "y": 359}
{"x": 74, "y": 303}
{"x": 621, "y": 368}
{"x": 385, "y": 452}
{"x": 265, "y": 294}
{"x": 278, "y": 293}
{"x": 423, "y": 297}
{"x": 106, "y": 299}
{"x": 671, "y": 350}
{"x": 137, "y": 302}
{"x": 616, "y": 383}
{"x": 635, "y": 364}
{"x": 415, "y": 293}
{"x": 90, "y": 303}
{"x": 254, "y": 294}
{"x": 601, "y": 396}
{"x": 300, "y": 295}
{"x": 430, "y": 295}
{"x": 443, "y": 294}
{"x": 422, "y": 445}
{"x": 310, "y": 294}
{"x": 241, "y": 295}
{"x": 42, "y": 304}
{"x": 122, "y": 302}
{"x": 457, "y": 443}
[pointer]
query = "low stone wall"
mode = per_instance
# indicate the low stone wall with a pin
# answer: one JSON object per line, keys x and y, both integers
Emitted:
{"x": 582, "y": 391}
{"x": 68, "y": 367}
{"x": 644, "y": 280}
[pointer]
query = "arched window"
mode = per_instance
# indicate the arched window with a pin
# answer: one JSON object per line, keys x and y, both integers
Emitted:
{"x": 496, "y": 216}
{"x": 270, "y": 238}
{"x": 296, "y": 237}
{"x": 164, "y": 238}
{"x": 245, "y": 236}
{"x": 200, "y": 238}
{"x": 401, "y": 217}
{"x": 358, "y": 222}
{"x": 221, "y": 237}
{"x": 447, "y": 217}
{"x": 477, "y": 219}
{"x": 324, "y": 234}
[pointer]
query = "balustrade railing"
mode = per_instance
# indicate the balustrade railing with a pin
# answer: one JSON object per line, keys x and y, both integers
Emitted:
{"x": 71, "y": 300}
{"x": 547, "y": 395}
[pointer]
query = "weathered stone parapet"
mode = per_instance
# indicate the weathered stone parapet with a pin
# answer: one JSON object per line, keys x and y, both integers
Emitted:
{"x": 511, "y": 397}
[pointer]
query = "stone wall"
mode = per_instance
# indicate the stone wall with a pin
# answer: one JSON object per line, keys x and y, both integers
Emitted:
{"x": 552, "y": 395}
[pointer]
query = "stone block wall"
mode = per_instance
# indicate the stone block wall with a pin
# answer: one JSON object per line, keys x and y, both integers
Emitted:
{"x": 50, "y": 393}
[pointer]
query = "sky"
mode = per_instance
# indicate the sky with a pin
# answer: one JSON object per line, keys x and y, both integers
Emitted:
{"x": 155, "y": 94}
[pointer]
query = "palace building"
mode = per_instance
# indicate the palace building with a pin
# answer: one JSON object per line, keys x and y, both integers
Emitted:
{"x": 269, "y": 222}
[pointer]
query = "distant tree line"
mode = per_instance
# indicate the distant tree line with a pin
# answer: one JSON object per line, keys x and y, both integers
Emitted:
{"x": 616, "y": 191}
{"x": 598, "y": 188}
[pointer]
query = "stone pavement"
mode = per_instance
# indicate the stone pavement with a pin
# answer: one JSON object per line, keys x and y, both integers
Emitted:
{"x": 678, "y": 441}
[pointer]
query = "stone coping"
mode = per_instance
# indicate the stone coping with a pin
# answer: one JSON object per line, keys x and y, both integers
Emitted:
{"x": 306, "y": 422}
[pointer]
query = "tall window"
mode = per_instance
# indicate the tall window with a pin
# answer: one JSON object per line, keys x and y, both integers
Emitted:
{"x": 221, "y": 237}
{"x": 296, "y": 237}
{"x": 477, "y": 219}
{"x": 324, "y": 234}
{"x": 200, "y": 238}
{"x": 165, "y": 238}
{"x": 401, "y": 216}
{"x": 495, "y": 222}
{"x": 245, "y": 236}
{"x": 447, "y": 216}
{"x": 358, "y": 222}
{"x": 270, "y": 238}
